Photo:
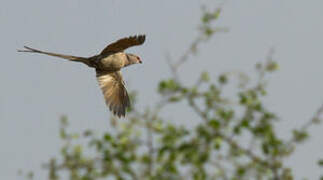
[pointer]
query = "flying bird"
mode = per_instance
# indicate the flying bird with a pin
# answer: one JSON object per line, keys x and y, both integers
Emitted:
{"x": 107, "y": 65}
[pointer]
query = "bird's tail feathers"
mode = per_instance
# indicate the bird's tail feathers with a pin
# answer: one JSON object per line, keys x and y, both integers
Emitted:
{"x": 71, "y": 58}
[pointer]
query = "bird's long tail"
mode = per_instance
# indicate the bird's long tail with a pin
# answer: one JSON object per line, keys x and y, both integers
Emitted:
{"x": 72, "y": 58}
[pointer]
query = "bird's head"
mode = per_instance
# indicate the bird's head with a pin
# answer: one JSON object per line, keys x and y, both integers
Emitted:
{"x": 133, "y": 59}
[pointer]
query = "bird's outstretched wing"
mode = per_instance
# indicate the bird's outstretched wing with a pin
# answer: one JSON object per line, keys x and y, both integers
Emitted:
{"x": 123, "y": 44}
{"x": 114, "y": 91}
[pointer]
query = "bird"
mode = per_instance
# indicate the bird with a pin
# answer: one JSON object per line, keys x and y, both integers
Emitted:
{"x": 107, "y": 65}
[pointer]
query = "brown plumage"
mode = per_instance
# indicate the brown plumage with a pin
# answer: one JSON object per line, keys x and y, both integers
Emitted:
{"x": 107, "y": 65}
{"x": 123, "y": 44}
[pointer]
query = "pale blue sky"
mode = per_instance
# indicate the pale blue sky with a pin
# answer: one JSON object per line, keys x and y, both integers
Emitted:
{"x": 37, "y": 89}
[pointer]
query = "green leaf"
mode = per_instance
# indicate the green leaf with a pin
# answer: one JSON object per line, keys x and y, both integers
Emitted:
{"x": 245, "y": 123}
{"x": 265, "y": 148}
{"x": 214, "y": 123}
{"x": 62, "y": 133}
{"x": 241, "y": 171}
{"x": 208, "y": 31}
{"x": 174, "y": 99}
{"x": 64, "y": 120}
{"x": 77, "y": 149}
{"x": 223, "y": 79}
{"x": 217, "y": 143}
{"x": 205, "y": 76}
{"x": 300, "y": 136}
{"x": 272, "y": 66}
{"x": 168, "y": 86}
{"x": 107, "y": 137}
{"x": 320, "y": 162}
{"x": 124, "y": 140}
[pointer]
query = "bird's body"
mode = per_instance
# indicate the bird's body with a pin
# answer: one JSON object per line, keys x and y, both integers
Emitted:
{"x": 108, "y": 65}
{"x": 113, "y": 62}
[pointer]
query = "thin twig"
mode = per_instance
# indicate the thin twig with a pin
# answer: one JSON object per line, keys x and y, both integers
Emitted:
{"x": 315, "y": 119}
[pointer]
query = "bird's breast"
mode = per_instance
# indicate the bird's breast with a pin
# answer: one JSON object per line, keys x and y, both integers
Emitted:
{"x": 113, "y": 62}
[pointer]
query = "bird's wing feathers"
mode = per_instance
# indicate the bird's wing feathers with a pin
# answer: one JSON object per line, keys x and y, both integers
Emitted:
{"x": 123, "y": 44}
{"x": 114, "y": 91}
